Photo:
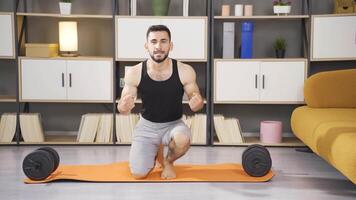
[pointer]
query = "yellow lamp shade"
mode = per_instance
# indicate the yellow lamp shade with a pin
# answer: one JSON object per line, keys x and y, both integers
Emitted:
{"x": 68, "y": 36}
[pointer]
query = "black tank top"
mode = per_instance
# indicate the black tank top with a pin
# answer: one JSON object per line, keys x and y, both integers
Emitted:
{"x": 161, "y": 100}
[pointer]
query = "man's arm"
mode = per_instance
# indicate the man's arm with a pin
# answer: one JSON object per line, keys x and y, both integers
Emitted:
{"x": 191, "y": 88}
{"x": 129, "y": 93}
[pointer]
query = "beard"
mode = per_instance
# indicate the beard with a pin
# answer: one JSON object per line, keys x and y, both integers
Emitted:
{"x": 159, "y": 60}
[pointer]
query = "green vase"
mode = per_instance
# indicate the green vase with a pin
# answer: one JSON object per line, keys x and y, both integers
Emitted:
{"x": 160, "y": 7}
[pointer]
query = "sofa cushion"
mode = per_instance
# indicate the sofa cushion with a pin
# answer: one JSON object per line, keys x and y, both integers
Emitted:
{"x": 331, "y": 89}
{"x": 338, "y": 148}
{"x": 306, "y": 120}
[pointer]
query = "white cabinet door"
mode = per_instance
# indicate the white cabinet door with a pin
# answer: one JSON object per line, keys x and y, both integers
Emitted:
{"x": 43, "y": 80}
{"x": 89, "y": 80}
{"x": 189, "y": 37}
{"x": 7, "y": 48}
{"x": 282, "y": 81}
{"x": 131, "y": 37}
{"x": 334, "y": 37}
{"x": 236, "y": 81}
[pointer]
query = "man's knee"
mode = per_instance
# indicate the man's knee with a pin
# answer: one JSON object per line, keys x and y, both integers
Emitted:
{"x": 139, "y": 174}
{"x": 181, "y": 141}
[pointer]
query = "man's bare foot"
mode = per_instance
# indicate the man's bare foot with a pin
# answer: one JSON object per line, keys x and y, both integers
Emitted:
{"x": 168, "y": 171}
{"x": 159, "y": 157}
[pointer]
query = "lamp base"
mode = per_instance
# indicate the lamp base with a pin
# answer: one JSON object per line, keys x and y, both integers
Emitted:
{"x": 68, "y": 54}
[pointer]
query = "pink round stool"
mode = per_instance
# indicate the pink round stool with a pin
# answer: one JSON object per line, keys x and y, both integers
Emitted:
{"x": 271, "y": 132}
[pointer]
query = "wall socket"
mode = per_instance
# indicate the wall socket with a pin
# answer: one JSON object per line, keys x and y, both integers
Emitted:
{"x": 122, "y": 82}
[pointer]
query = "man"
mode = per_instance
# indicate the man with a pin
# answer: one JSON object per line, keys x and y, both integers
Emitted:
{"x": 161, "y": 82}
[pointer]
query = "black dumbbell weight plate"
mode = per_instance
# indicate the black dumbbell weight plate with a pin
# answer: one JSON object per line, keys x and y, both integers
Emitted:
{"x": 54, "y": 155}
{"x": 248, "y": 148}
{"x": 38, "y": 165}
{"x": 257, "y": 162}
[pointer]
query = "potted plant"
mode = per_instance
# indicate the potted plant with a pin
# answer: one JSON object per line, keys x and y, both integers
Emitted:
{"x": 65, "y": 7}
{"x": 280, "y": 47}
{"x": 281, "y": 7}
{"x": 160, "y": 7}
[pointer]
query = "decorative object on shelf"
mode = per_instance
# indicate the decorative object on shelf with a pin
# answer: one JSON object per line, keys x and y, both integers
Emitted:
{"x": 68, "y": 38}
{"x": 228, "y": 39}
{"x": 65, "y": 7}
{"x": 160, "y": 7}
{"x": 248, "y": 10}
{"x": 271, "y": 132}
{"x": 279, "y": 46}
{"x": 281, "y": 7}
{"x": 246, "y": 40}
{"x": 239, "y": 8}
{"x": 344, "y": 6}
{"x": 133, "y": 7}
{"x": 185, "y": 8}
{"x": 225, "y": 10}
{"x": 41, "y": 50}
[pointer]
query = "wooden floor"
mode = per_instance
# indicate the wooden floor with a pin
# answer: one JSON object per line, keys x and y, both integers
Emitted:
{"x": 298, "y": 176}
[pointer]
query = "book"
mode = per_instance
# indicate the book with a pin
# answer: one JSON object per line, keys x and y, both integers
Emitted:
{"x": 31, "y": 127}
{"x": 228, "y": 130}
{"x": 88, "y": 127}
{"x": 228, "y": 39}
{"x": 133, "y": 7}
{"x": 7, "y": 127}
{"x": 105, "y": 130}
{"x": 185, "y": 8}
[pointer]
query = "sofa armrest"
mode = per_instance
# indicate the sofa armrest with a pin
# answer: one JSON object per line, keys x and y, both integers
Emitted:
{"x": 332, "y": 89}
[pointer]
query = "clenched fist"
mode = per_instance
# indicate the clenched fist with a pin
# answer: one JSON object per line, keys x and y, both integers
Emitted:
{"x": 196, "y": 102}
{"x": 126, "y": 104}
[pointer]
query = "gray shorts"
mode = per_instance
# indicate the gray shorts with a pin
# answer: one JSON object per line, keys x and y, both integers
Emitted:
{"x": 146, "y": 140}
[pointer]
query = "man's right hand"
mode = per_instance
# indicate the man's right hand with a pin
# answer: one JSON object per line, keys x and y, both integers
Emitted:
{"x": 126, "y": 104}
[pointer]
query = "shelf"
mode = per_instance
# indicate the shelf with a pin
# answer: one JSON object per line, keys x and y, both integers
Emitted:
{"x": 143, "y": 59}
{"x": 129, "y": 143}
{"x": 262, "y": 17}
{"x": 139, "y": 101}
{"x": 335, "y": 15}
{"x": 260, "y": 59}
{"x": 7, "y": 143}
{"x": 331, "y": 59}
{"x": 160, "y": 17}
{"x": 69, "y": 58}
{"x": 64, "y": 139}
{"x": 57, "y": 15}
{"x": 286, "y": 142}
{"x": 261, "y": 102}
{"x": 7, "y": 98}
{"x": 63, "y": 101}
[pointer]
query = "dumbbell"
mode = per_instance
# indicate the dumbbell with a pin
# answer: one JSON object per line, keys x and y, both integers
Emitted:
{"x": 39, "y": 164}
{"x": 256, "y": 160}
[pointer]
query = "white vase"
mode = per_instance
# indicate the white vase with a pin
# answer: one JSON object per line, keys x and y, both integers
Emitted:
{"x": 65, "y": 8}
{"x": 281, "y": 10}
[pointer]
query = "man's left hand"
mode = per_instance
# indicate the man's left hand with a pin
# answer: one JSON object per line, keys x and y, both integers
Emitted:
{"x": 196, "y": 102}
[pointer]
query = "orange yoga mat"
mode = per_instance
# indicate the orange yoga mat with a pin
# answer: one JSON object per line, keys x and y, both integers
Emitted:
{"x": 119, "y": 172}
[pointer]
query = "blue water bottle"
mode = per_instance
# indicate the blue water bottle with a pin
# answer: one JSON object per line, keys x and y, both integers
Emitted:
{"x": 246, "y": 39}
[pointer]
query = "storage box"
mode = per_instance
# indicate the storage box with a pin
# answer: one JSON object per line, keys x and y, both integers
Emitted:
{"x": 271, "y": 132}
{"x": 41, "y": 50}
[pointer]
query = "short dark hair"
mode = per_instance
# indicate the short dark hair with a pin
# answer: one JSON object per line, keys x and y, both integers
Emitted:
{"x": 155, "y": 28}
